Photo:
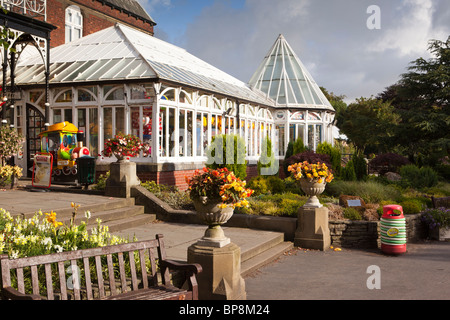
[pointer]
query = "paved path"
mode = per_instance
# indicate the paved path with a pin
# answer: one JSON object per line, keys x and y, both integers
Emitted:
{"x": 423, "y": 273}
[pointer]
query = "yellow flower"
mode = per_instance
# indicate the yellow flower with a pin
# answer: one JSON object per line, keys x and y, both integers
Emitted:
{"x": 223, "y": 206}
{"x": 51, "y": 218}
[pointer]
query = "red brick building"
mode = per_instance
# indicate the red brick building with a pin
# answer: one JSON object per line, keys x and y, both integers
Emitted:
{"x": 79, "y": 18}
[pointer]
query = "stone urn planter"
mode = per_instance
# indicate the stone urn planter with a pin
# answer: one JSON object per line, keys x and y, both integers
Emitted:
{"x": 312, "y": 189}
{"x": 209, "y": 211}
{"x": 122, "y": 158}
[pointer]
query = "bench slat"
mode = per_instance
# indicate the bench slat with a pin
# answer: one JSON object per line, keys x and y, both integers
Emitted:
{"x": 76, "y": 281}
{"x": 112, "y": 280}
{"x": 133, "y": 270}
{"x": 98, "y": 266}
{"x": 153, "y": 266}
{"x": 143, "y": 268}
{"x": 35, "y": 280}
{"x": 20, "y": 282}
{"x": 49, "y": 281}
{"x": 87, "y": 276}
{"x": 62, "y": 280}
{"x": 123, "y": 279}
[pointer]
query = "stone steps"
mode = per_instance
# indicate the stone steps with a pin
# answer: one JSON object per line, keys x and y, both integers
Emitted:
{"x": 263, "y": 253}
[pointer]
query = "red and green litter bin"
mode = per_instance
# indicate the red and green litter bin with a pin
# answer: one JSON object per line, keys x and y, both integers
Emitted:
{"x": 393, "y": 230}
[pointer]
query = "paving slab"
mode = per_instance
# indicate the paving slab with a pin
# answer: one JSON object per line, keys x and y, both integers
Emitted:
{"x": 422, "y": 273}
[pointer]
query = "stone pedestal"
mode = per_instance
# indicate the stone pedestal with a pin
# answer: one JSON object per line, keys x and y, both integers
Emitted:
{"x": 121, "y": 179}
{"x": 313, "y": 231}
{"x": 221, "y": 276}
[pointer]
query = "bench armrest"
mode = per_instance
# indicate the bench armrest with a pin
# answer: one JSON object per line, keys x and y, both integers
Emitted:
{"x": 9, "y": 293}
{"x": 190, "y": 268}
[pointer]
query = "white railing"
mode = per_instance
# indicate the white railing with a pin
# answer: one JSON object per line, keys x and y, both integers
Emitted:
{"x": 32, "y": 8}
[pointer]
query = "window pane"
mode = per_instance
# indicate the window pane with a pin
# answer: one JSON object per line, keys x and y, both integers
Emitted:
{"x": 182, "y": 133}
{"x": 189, "y": 137}
{"x": 318, "y": 134}
{"x": 199, "y": 134}
{"x": 311, "y": 137}
{"x": 163, "y": 133}
{"x": 68, "y": 115}
{"x": 172, "y": 131}
{"x": 108, "y": 123}
{"x": 93, "y": 131}
{"x": 57, "y": 116}
{"x": 120, "y": 120}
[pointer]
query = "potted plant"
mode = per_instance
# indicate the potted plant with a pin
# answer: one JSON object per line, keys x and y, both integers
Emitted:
{"x": 438, "y": 222}
{"x": 9, "y": 175}
{"x": 123, "y": 147}
{"x": 215, "y": 193}
{"x": 313, "y": 178}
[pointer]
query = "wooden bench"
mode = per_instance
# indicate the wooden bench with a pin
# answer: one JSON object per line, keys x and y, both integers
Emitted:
{"x": 141, "y": 274}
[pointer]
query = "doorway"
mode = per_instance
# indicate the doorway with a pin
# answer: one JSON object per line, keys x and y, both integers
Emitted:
{"x": 35, "y": 121}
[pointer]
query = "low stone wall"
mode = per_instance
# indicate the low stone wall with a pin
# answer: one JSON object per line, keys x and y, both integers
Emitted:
{"x": 365, "y": 234}
{"x": 354, "y": 234}
{"x": 344, "y": 233}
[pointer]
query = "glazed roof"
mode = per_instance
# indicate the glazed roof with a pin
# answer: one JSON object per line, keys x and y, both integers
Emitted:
{"x": 284, "y": 78}
{"x": 124, "y": 53}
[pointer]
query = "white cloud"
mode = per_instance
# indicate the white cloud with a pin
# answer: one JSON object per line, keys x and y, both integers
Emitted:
{"x": 412, "y": 30}
{"x": 330, "y": 37}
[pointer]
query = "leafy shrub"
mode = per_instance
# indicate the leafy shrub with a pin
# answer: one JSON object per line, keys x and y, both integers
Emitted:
{"x": 276, "y": 184}
{"x": 259, "y": 185}
{"x": 266, "y": 184}
{"x": 414, "y": 177}
{"x": 292, "y": 186}
{"x": 299, "y": 146}
{"x": 388, "y": 162}
{"x": 289, "y": 207}
{"x": 289, "y": 153}
{"x": 286, "y": 205}
{"x": 176, "y": 199}
{"x": 348, "y": 172}
{"x": 220, "y": 157}
{"x": 352, "y": 214}
{"x": 411, "y": 206}
{"x": 360, "y": 166}
{"x": 335, "y": 156}
{"x": 370, "y": 191}
{"x": 267, "y": 160}
{"x": 101, "y": 181}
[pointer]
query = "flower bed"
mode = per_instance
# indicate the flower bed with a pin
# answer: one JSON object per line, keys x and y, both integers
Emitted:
{"x": 43, "y": 234}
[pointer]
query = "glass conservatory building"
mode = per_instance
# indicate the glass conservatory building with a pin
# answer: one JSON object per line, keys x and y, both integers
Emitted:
{"x": 122, "y": 80}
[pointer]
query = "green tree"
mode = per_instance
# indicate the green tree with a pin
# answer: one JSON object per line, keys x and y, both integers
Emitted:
{"x": 421, "y": 99}
{"x": 370, "y": 124}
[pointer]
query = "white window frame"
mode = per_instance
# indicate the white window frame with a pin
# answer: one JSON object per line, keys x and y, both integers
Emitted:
{"x": 72, "y": 26}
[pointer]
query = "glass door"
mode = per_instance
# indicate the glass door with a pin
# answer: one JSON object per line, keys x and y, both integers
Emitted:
{"x": 88, "y": 123}
{"x": 35, "y": 125}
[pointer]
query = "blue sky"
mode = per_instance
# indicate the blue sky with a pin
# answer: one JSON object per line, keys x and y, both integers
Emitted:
{"x": 173, "y": 16}
{"x": 330, "y": 37}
